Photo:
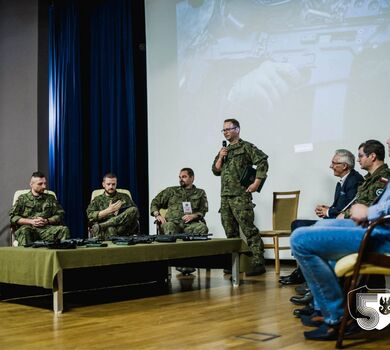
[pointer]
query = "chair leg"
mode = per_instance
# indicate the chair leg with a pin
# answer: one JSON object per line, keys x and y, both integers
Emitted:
{"x": 349, "y": 285}
{"x": 344, "y": 320}
{"x": 276, "y": 252}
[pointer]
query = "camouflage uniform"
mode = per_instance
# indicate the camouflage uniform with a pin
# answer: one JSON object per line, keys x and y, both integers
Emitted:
{"x": 374, "y": 184}
{"x": 46, "y": 206}
{"x": 236, "y": 204}
{"x": 123, "y": 224}
{"x": 171, "y": 199}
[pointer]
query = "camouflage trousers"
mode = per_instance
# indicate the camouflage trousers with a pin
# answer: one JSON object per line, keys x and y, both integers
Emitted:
{"x": 27, "y": 234}
{"x": 124, "y": 224}
{"x": 237, "y": 213}
{"x": 171, "y": 227}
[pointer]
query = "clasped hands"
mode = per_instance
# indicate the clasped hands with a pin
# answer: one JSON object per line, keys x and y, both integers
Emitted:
{"x": 39, "y": 222}
{"x": 321, "y": 211}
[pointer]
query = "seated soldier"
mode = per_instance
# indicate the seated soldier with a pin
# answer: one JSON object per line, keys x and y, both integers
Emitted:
{"x": 37, "y": 215}
{"x": 186, "y": 206}
{"x": 112, "y": 213}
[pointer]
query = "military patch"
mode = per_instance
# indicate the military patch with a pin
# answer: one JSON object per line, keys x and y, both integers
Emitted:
{"x": 379, "y": 191}
{"x": 384, "y": 180}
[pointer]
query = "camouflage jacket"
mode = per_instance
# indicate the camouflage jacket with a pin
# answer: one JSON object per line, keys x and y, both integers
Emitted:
{"x": 172, "y": 198}
{"x": 102, "y": 202}
{"x": 373, "y": 185}
{"x": 29, "y": 206}
{"x": 240, "y": 155}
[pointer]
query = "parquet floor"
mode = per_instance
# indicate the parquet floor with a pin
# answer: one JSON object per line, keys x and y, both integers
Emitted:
{"x": 197, "y": 312}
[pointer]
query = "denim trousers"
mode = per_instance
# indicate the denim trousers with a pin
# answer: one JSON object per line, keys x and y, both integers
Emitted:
{"x": 316, "y": 249}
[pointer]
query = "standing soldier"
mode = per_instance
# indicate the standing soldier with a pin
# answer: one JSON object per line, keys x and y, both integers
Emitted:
{"x": 236, "y": 200}
{"x": 37, "y": 215}
{"x": 112, "y": 213}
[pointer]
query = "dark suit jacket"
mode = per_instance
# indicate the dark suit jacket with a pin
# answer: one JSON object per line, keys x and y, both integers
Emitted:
{"x": 346, "y": 193}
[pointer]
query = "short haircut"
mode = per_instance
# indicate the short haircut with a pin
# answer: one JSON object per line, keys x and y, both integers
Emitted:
{"x": 189, "y": 171}
{"x": 109, "y": 176}
{"x": 346, "y": 157}
{"x": 38, "y": 174}
{"x": 235, "y": 122}
{"x": 373, "y": 146}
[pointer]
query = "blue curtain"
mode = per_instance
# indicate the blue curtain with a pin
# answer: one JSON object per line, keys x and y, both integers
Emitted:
{"x": 112, "y": 112}
{"x": 65, "y": 118}
{"x": 92, "y": 114}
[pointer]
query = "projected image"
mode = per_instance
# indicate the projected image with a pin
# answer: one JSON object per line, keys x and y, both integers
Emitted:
{"x": 294, "y": 64}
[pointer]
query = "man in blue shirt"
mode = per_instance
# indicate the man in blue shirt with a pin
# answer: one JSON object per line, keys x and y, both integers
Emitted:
{"x": 330, "y": 240}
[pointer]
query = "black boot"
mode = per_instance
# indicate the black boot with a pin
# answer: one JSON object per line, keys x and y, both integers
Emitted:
{"x": 296, "y": 277}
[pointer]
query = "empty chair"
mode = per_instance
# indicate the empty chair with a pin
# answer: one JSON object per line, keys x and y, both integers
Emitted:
{"x": 284, "y": 212}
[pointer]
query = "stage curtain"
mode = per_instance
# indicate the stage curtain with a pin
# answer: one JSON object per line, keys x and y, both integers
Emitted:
{"x": 92, "y": 114}
{"x": 65, "y": 117}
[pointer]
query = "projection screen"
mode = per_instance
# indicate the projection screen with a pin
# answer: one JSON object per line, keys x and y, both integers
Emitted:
{"x": 304, "y": 78}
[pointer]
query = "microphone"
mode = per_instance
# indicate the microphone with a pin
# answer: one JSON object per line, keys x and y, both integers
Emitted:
{"x": 224, "y": 144}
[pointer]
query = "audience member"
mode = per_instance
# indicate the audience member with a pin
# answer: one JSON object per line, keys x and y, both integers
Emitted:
{"x": 342, "y": 164}
{"x": 316, "y": 246}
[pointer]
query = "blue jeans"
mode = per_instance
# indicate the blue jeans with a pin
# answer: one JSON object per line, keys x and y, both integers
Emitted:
{"x": 329, "y": 240}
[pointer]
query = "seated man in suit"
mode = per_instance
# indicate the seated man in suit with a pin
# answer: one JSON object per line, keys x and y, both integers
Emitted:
{"x": 112, "y": 213}
{"x": 37, "y": 215}
{"x": 343, "y": 164}
{"x": 315, "y": 246}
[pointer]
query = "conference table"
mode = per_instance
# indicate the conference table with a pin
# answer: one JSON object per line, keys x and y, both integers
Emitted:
{"x": 43, "y": 267}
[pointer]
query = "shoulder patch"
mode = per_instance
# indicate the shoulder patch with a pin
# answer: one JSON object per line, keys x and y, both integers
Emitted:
{"x": 384, "y": 180}
{"x": 379, "y": 191}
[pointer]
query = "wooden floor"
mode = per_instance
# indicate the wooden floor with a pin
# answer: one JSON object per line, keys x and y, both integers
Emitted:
{"x": 198, "y": 312}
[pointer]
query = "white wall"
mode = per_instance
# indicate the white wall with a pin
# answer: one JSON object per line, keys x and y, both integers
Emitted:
{"x": 291, "y": 74}
{"x": 18, "y": 101}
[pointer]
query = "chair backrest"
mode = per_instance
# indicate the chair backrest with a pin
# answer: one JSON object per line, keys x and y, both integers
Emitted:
{"x": 20, "y": 192}
{"x": 285, "y": 209}
{"x": 100, "y": 191}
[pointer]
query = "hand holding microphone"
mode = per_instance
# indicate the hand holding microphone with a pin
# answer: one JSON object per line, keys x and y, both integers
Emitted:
{"x": 223, "y": 152}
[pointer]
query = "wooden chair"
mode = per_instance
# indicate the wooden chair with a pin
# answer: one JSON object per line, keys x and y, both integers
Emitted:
{"x": 355, "y": 266}
{"x": 284, "y": 212}
{"x": 100, "y": 191}
{"x": 12, "y": 238}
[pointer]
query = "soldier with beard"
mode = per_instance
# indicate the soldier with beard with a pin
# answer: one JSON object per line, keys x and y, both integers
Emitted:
{"x": 112, "y": 213}
{"x": 186, "y": 206}
{"x": 37, "y": 215}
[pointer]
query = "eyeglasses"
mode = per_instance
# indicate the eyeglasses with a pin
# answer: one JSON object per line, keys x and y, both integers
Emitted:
{"x": 228, "y": 129}
{"x": 336, "y": 163}
{"x": 361, "y": 155}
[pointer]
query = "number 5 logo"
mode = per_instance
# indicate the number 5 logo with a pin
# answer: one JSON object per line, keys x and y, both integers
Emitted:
{"x": 372, "y": 308}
